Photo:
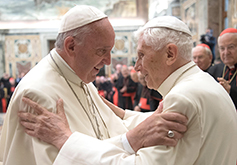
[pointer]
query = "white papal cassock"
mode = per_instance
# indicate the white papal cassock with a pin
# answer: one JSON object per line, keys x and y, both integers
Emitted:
{"x": 210, "y": 138}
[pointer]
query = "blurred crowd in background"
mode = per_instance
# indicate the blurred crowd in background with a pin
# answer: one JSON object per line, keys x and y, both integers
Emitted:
{"x": 127, "y": 89}
{"x": 7, "y": 87}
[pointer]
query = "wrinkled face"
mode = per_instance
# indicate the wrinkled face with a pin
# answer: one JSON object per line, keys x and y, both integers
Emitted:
{"x": 94, "y": 53}
{"x": 201, "y": 58}
{"x": 125, "y": 71}
{"x": 228, "y": 48}
{"x": 151, "y": 64}
{"x": 118, "y": 68}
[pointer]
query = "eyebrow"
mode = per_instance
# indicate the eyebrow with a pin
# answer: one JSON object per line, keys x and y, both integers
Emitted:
{"x": 103, "y": 47}
{"x": 228, "y": 45}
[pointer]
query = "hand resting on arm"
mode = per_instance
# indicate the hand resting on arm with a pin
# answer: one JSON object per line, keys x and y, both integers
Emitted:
{"x": 54, "y": 128}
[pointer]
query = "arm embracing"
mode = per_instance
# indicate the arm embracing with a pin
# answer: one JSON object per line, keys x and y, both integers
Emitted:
{"x": 33, "y": 146}
{"x": 111, "y": 152}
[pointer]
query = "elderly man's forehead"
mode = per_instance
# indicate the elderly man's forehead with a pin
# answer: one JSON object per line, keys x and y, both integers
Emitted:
{"x": 199, "y": 48}
{"x": 141, "y": 43}
{"x": 228, "y": 37}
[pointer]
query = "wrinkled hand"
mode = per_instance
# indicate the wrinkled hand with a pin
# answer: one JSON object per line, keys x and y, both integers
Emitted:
{"x": 49, "y": 127}
{"x": 153, "y": 131}
{"x": 224, "y": 83}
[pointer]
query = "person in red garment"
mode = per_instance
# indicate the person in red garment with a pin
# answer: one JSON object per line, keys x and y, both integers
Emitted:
{"x": 225, "y": 72}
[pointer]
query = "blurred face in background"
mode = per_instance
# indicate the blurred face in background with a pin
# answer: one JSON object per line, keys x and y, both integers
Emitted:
{"x": 201, "y": 57}
{"x": 228, "y": 48}
{"x": 125, "y": 71}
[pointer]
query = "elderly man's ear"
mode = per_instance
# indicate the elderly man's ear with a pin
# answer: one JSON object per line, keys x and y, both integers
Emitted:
{"x": 69, "y": 45}
{"x": 172, "y": 52}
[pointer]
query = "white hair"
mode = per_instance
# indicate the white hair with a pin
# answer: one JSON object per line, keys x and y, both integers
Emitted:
{"x": 207, "y": 50}
{"x": 157, "y": 38}
{"x": 79, "y": 33}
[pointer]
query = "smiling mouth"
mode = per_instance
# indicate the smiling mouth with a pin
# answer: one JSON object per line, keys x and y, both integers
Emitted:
{"x": 96, "y": 68}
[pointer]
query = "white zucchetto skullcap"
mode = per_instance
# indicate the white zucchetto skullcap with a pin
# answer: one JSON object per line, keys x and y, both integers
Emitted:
{"x": 79, "y": 16}
{"x": 170, "y": 22}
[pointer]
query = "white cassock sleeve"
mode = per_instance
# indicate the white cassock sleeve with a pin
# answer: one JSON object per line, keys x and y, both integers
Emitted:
{"x": 81, "y": 149}
{"x": 109, "y": 151}
{"x": 132, "y": 118}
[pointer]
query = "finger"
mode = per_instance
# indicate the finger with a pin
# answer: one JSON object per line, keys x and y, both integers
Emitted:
{"x": 60, "y": 108}
{"x": 170, "y": 141}
{"x": 222, "y": 84}
{"x": 28, "y": 125}
{"x": 222, "y": 80}
{"x": 25, "y": 116}
{"x": 174, "y": 140}
{"x": 30, "y": 132}
{"x": 173, "y": 116}
{"x": 160, "y": 107}
{"x": 177, "y": 135}
{"x": 178, "y": 127}
{"x": 38, "y": 109}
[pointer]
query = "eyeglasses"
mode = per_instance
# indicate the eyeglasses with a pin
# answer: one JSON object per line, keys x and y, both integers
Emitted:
{"x": 229, "y": 48}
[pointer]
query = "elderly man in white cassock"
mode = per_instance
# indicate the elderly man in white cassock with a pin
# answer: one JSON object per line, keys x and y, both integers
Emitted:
{"x": 164, "y": 58}
{"x": 83, "y": 47}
